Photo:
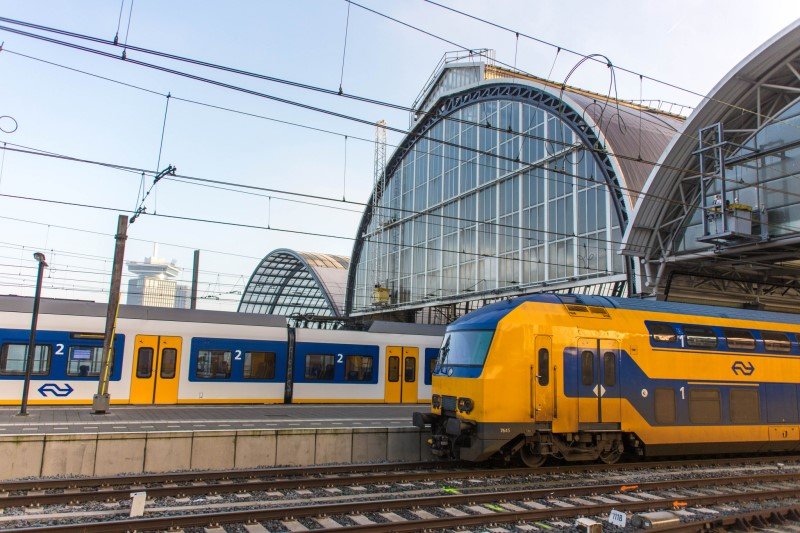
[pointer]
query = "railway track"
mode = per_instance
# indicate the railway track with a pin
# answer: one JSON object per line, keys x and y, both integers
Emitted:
{"x": 37, "y": 493}
{"x": 519, "y": 509}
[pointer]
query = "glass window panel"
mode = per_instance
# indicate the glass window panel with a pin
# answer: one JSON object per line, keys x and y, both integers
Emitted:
{"x": 700, "y": 337}
{"x": 319, "y": 367}
{"x": 13, "y": 358}
{"x": 776, "y": 342}
{"x": 587, "y": 367}
{"x": 144, "y": 363}
{"x": 259, "y": 365}
{"x": 169, "y": 358}
{"x": 410, "y": 370}
{"x": 85, "y": 361}
{"x": 394, "y": 369}
{"x": 544, "y": 367}
{"x": 213, "y": 364}
{"x": 358, "y": 368}
{"x": 739, "y": 339}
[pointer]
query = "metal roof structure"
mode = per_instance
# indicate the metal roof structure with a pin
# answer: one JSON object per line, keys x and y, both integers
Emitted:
{"x": 297, "y": 284}
{"x": 612, "y": 145}
{"x": 753, "y": 114}
{"x": 55, "y": 306}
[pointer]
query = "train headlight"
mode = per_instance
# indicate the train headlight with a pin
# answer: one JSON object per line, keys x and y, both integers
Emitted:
{"x": 436, "y": 401}
{"x": 465, "y": 405}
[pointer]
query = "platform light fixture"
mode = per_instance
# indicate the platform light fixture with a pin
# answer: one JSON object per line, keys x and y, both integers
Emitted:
{"x": 29, "y": 357}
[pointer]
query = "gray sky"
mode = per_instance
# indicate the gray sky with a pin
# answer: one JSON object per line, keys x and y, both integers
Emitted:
{"x": 689, "y": 44}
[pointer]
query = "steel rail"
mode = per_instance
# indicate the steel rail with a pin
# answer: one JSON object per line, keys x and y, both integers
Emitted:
{"x": 279, "y": 472}
{"x": 251, "y": 515}
{"x": 227, "y": 485}
{"x": 745, "y": 521}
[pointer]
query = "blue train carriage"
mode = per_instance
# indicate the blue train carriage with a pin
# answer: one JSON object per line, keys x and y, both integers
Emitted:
{"x": 589, "y": 377}
{"x": 389, "y": 363}
{"x": 201, "y": 357}
{"x": 68, "y": 355}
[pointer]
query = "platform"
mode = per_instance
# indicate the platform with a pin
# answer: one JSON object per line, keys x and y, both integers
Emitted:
{"x": 80, "y": 419}
{"x": 71, "y": 441}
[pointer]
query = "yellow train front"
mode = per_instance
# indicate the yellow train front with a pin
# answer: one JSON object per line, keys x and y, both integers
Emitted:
{"x": 591, "y": 377}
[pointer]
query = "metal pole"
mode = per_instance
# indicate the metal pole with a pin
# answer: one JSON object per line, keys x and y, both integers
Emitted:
{"x": 195, "y": 273}
{"x": 23, "y": 410}
{"x": 102, "y": 400}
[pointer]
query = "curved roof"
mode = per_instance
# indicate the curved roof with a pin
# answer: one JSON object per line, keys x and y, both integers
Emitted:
{"x": 293, "y": 283}
{"x": 749, "y": 95}
{"x": 626, "y": 137}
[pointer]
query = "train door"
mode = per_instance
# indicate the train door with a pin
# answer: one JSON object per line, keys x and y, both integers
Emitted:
{"x": 541, "y": 386}
{"x": 156, "y": 361}
{"x": 598, "y": 382}
{"x": 401, "y": 374}
{"x": 410, "y": 374}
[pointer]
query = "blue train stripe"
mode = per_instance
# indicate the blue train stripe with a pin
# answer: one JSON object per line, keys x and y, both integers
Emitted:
{"x": 778, "y": 402}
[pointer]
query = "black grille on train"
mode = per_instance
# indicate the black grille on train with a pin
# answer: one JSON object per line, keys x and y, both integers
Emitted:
{"x": 448, "y": 403}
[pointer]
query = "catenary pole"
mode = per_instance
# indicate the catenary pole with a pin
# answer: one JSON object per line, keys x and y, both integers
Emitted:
{"x": 102, "y": 399}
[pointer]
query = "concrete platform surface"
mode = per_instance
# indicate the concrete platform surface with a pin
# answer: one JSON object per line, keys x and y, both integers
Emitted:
{"x": 171, "y": 418}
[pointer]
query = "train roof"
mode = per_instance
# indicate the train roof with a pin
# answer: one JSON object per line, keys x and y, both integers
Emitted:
{"x": 432, "y": 330}
{"x": 54, "y": 306}
{"x": 487, "y": 317}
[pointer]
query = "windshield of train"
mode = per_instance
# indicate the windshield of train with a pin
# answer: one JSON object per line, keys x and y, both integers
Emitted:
{"x": 464, "y": 348}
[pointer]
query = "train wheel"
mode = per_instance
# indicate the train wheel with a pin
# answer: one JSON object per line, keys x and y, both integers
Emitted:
{"x": 611, "y": 457}
{"x": 530, "y": 458}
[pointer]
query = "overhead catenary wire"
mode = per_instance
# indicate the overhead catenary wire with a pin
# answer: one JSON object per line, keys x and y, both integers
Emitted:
{"x": 494, "y": 155}
{"x": 405, "y": 212}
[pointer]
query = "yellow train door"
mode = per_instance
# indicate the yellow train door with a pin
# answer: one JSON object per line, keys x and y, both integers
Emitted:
{"x": 410, "y": 385}
{"x": 393, "y": 391}
{"x": 598, "y": 382}
{"x": 401, "y": 374}
{"x": 156, "y": 361}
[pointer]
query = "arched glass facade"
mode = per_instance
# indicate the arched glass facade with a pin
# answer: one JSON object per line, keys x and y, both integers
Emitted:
{"x": 495, "y": 196}
{"x": 297, "y": 284}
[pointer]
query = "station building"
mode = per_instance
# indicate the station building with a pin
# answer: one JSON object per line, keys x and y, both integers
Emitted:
{"x": 508, "y": 184}
{"x": 719, "y": 220}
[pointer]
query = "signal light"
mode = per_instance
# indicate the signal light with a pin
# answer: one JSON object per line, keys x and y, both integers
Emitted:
{"x": 436, "y": 401}
{"x": 465, "y": 405}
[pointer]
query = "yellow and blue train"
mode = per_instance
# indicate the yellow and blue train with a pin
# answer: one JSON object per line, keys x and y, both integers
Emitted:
{"x": 591, "y": 377}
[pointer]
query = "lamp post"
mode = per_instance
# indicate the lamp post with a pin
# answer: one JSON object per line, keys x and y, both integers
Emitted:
{"x": 23, "y": 410}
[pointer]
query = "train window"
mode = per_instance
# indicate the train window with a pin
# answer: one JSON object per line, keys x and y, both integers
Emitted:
{"x": 213, "y": 364}
{"x": 410, "y": 367}
{"x": 13, "y": 359}
{"x": 259, "y": 365}
{"x": 544, "y": 367}
{"x": 394, "y": 369}
{"x": 587, "y": 367}
{"x": 776, "y": 342}
{"x": 319, "y": 367}
{"x": 609, "y": 369}
{"x": 665, "y": 406}
{"x": 744, "y": 406}
{"x": 144, "y": 363}
{"x": 700, "y": 337}
{"x": 169, "y": 358}
{"x": 358, "y": 368}
{"x": 85, "y": 361}
{"x": 739, "y": 339}
{"x": 432, "y": 362}
{"x": 704, "y": 407}
{"x": 663, "y": 333}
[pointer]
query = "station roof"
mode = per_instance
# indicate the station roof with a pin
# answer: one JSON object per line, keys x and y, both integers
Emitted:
{"x": 293, "y": 283}
{"x": 743, "y": 100}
